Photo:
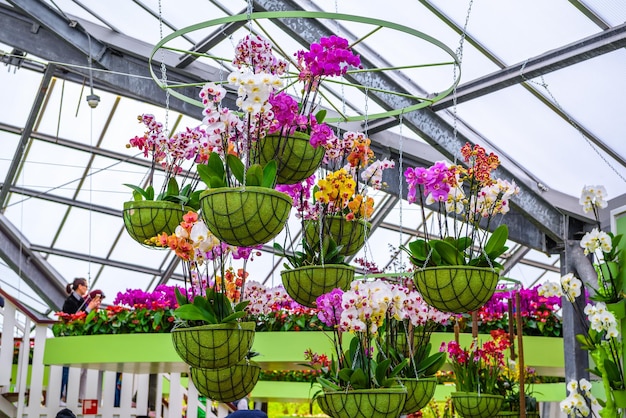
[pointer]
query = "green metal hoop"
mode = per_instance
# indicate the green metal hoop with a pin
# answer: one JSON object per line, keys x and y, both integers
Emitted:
{"x": 421, "y": 102}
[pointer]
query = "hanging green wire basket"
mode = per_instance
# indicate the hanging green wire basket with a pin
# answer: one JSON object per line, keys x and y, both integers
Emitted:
{"x": 306, "y": 284}
{"x": 476, "y": 405}
{"x": 145, "y": 219}
{"x": 419, "y": 392}
{"x": 457, "y": 289}
{"x": 295, "y": 157}
{"x": 228, "y": 384}
{"x": 214, "y": 346}
{"x": 350, "y": 234}
{"x": 363, "y": 403}
{"x": 245, "y": 216}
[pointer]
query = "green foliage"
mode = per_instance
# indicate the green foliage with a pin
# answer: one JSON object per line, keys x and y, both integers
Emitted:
{"x": 418, "y": 361}
{"x": 173, "y": 193}
{"x": 327, "y": 253}
{"x": 115, "y": 320}
{"x": 214, "y": 308}
{"x": 287, "y": 320}
{"x": 360, "y": 371}
{"x": 458, "y": 251}
{"x": 215, "y": 173}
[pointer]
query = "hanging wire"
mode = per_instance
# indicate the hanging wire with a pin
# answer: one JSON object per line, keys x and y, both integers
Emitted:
{"x": 92, "y": 97}
{"x": 400, "y": 187}
{"x": 459, "y": 53}
{"x": 164, "y": 74}
{"x": 595, "y": 149}
{"x": 249, "y": 10}
{"x": 89, "y": 252}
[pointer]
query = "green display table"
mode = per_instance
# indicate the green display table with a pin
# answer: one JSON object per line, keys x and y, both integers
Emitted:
{"x": 154, "y": 353}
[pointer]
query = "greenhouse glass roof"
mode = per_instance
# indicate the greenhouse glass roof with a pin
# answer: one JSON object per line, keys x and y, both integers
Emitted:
{"x": 538, "y": 83}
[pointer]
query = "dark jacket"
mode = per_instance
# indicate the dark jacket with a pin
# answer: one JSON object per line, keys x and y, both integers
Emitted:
{"x": 245, "y": 413}
{"x": 73, "y": 305}
{"x": 66, "y": 413}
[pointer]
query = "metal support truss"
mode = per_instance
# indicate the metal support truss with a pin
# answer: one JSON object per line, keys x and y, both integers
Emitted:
{"x": 26, "y": 261}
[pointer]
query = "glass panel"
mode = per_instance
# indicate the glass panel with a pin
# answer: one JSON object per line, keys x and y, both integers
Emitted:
{"x": 50, "y": 168}
{"x": 504, "y": 27}
{"x": 88, "y": 232}
{"x": 37, "y": 219}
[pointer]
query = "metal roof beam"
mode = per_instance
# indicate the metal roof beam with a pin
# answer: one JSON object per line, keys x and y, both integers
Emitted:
{"x": 29, "y": 193}
{"x": 30, "y": 266}
{"x": 99, "y": 260}
{"x": 120, "y": 63}
{"x": 595, "y": 45}
{"x": 223, "y": 32}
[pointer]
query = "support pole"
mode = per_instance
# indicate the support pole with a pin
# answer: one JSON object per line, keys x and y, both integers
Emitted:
{"x": 520, "y": 361}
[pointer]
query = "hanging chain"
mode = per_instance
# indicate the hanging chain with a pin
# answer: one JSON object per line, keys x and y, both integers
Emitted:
{"x": 249, "y": 10}
{"x": 164, "y": 74}
{"x": 401, "y": 184}
{"x": 459, "y": 53}
{"x": 365, "y": 121}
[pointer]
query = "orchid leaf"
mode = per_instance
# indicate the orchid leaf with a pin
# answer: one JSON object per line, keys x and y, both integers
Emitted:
{"x": 497, "y": 240}
{"x": 328, "y": 384}
{"x": 254, "y": 175}
{"x": 611, "y": 371}
{"x": 172, "y": 187}
{"x": 463, "y": 243}
{"x": 147, "y": 194}
{"x": 241, "y": 306}
{"x": 419, "y": 249}
{"x": 381, "y": 370}
{"x": 358, "y": 378}
{"x": 236, "y": 167}
{"x": 269, "y": 174}
{"x": 191, "y": 312}
{"x": 399, "y": 367}
{"x": 180, "y": 298}
{"x": 194, "y": 200}
{"x": 449, "y": 254}
{"x": 320, "y": 116}
{"x": 431, "y": 364}
{"x": 345, "y": 374}
{"x": 233, "y": 317}
{"x": 213, "y": 171}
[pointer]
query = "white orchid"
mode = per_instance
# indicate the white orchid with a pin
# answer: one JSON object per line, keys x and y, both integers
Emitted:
{"x": 577, "y": 402}
{"x": 571, "y": 286}
{"x": 596, "y": 240}
{"x": 593, "y": 197}
{"x": 550, "y": 289}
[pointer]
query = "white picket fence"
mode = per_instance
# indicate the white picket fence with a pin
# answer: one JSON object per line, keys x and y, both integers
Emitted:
{"x": 30, "y": 395}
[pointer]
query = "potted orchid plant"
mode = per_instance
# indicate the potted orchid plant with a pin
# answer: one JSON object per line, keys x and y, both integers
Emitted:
{"x": 408, "y": 327}
{"x": 476, "y": 372}
{"x": 209, "y": 332}
{"x": 297, "y": 134}
{"x": 334, "y": 211}
{"x": 355, "y": 377}
{"x": 148, "y": 213}
{"x": 606, "y": 250}
{"x": 342, "y": 205}
{"x": 602, "y": 339}
{"x": 601, "y": 320}
{"x": 466, "y": 201}
{"x": 264, "y": 129}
